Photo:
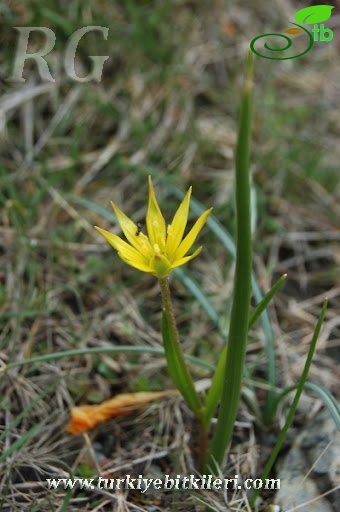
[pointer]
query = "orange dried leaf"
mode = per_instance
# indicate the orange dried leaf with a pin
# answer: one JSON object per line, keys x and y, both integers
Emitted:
{"x": 85, "y": 417}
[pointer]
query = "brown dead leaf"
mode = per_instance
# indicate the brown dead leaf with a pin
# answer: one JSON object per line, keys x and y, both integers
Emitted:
{"x": 85, "y": 417}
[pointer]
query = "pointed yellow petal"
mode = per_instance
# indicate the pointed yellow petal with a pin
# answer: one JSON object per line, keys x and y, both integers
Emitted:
{"x": 136, "y": 263}
{"x": 182, "y": 261}
{"x": 155, "y": 222}
{"x": 125, "y": 251}
{"x": 162, "y": 250}
{"x": 192, "y": 235}
{"x": 111, "y": 238}
{"x": 131, "y": 231}
{"x": 178, "y": 225}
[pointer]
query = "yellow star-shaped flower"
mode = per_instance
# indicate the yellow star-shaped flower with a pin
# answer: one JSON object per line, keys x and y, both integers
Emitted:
{"x": 164, "y": 248}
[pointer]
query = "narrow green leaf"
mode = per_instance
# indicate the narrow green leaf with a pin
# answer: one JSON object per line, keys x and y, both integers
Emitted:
{"x": 214, "y": 393}
{"x": 19, "y": 417}
{"x": 90, "y": 205}
{"x": 184, "y": 277}
{"x": 141, "y": 349}
{"x": 324, "y": 394}
{"x": 179, "y": 372}
{"x": 65, "y": 506}
{"x": 57, "y": 20}
{"x": 261, "y": 306}
{"x": 26, "y": 436}
{"x": 238, "y": 331}
{"x": 293, "y": 407}
{"x": 328, "y": 399}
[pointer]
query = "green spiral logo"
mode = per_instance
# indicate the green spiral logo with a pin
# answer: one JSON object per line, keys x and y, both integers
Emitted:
{"x": 288, "y": 43}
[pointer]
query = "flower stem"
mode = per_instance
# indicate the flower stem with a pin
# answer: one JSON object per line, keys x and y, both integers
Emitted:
{"x": 177, "y": 367}
{"x": 203, "y": 444}
{"x": 179, "y": 371}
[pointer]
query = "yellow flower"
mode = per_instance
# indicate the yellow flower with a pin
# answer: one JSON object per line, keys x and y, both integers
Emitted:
{"x": 164, "y": 248}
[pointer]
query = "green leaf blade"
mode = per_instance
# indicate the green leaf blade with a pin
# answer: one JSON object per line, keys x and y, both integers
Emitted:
{"x": 177, "y": 371}
{"x": 215, "y": 390}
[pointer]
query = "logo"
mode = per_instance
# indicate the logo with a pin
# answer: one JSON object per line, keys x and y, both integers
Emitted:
{"x": 308, "y": 16}
{"x": 69, "y": 59}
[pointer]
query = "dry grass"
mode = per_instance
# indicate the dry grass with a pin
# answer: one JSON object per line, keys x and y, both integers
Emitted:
{"x": 167, "y": 104}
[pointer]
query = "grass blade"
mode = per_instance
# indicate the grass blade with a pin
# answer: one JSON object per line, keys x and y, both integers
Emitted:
{"x": 261, "y": 306}
{"x": 294, "y": 405}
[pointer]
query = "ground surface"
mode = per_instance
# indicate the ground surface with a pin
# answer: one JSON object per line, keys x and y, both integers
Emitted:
{"x": 167, "y": 106}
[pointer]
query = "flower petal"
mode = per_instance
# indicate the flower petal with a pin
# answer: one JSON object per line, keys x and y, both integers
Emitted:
{"x": 125, "y": 251}
{"x": 163, "y": 249}
{"x": 135, "y": 263}
{"x": 111, "y": 238}
{"x": 182, "y": 261}
{"x": 177, "y": 227}
{"x": 192, "y": 235}
{"x": 155, "y": 222}
{"x": 131, "y": 231}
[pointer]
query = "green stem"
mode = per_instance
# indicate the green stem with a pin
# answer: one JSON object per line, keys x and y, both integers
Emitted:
{"x": 203, "y": 442}
{"x": 177, "y": 367}
{"x": 238, "y": 330}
